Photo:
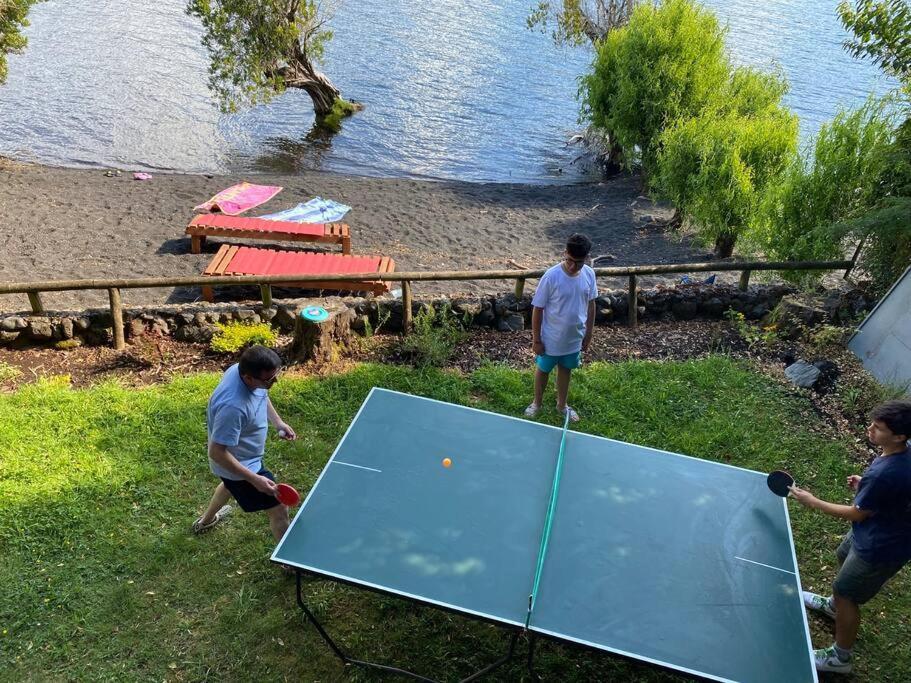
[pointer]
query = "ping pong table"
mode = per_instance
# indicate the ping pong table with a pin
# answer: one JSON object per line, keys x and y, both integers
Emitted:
{"x": 680, "y": 562}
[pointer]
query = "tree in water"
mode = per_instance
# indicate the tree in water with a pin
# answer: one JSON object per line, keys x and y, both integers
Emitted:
{"x": 12, "y": 21}
{"x": 578, "y": 21}
{"x": 259, "y": 48}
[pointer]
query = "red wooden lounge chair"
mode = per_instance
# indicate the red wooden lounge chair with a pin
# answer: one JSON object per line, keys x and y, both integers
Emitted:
{"x": 233, "y": 259}
{"x": 221, "y": 225}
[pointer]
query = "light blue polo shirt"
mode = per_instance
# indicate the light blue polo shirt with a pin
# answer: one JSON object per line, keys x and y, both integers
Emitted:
{"x": 237, "y": 418}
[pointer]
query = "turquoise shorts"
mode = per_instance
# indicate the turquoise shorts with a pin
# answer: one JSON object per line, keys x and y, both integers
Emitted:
{"x": 570, "y": 361}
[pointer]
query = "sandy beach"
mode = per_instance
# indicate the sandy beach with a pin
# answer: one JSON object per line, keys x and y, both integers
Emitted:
{"x": 58, "y": 223}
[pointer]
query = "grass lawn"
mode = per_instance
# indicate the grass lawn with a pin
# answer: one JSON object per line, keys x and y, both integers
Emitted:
{"x": 100, "y": 578}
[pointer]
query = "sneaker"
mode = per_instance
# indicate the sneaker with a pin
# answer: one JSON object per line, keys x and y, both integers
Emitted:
{"x": 200, "y": 528}
{"x": 573, "y": 415}
{"x": 532, "y": 410}
{"x": 817, "y": 603}
{"x": 827, "y": 660}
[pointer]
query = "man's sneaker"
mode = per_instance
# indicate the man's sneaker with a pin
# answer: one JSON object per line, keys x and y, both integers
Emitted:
{"x": 817, "y": 603}
{"x": 827, "y": 660}
{"x": 532, "y": 410}
{"x": 200, "y": 528}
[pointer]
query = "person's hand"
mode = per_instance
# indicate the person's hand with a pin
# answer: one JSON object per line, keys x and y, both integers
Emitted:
{"x": 853, "y": 481}
{"x": 264, "y": 485}
{"x": 286, "y": 432}
{"x": 538, "y": 347}
{"x": 586, "y": 342}
{"x": 802, "y": 496}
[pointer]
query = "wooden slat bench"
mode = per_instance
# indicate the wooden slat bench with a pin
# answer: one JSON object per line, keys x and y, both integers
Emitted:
{"x": 221, "y": 225}
{"x": 233, "y": 259}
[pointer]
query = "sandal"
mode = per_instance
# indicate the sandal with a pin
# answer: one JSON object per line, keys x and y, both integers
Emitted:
{"x": 573, "y": 415}
{"x": 200, "y": 528}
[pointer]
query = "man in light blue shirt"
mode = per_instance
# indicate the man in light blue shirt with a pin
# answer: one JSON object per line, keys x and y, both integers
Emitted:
{"x": 238, "y": 419}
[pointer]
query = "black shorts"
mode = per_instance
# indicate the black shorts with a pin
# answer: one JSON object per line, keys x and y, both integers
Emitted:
{"x": 248, "y": 496}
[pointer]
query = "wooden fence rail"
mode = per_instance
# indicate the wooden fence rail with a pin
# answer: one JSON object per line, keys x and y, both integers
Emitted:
{"x": 265, "y": 282}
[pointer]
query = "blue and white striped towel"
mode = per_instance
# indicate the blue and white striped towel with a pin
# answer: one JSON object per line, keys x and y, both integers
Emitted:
{"x": 317, "y": 210}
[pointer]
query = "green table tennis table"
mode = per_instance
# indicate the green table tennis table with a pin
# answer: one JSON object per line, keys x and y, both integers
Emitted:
{"x": 683, "y": 563}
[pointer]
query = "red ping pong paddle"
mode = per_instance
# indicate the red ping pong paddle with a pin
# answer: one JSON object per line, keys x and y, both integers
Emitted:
{"x": 780, "y": 482}
{"x": 287, "y": 495}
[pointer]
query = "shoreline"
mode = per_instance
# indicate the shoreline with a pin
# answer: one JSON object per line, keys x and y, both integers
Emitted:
{"x": 66, "y": 223}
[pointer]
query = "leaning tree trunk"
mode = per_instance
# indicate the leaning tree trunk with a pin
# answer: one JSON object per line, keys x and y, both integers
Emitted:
{"x": 300, "y": 73}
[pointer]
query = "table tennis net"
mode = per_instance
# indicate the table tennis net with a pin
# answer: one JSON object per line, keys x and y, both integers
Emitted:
{"x": 548, "y": 522}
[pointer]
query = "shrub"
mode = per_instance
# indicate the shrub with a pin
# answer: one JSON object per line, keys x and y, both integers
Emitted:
{"x": 434, "y": 336}
{"x": 715, "y": 167}
{"x": 234, "y": 336}
{"x": 840, "y": 181}
{"x": 669, "y": 62}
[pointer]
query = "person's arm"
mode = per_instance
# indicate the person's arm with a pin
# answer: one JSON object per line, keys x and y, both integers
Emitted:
{"x": 537, "y": 315}
{"x": 223, "y": 457}
{"x": 589, "y": 326}
{"x": 286, "y": 432}
{"x": 847, "y": 512}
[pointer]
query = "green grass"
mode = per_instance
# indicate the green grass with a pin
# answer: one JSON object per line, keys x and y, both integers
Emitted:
{"x": 101, "y": 580}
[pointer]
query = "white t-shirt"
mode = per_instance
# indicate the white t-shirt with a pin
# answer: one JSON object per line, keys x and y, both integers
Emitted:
{"x": 564, "y": 299}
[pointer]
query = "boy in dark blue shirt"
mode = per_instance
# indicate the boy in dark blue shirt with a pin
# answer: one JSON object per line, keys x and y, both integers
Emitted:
{"x": 879, "y": 543}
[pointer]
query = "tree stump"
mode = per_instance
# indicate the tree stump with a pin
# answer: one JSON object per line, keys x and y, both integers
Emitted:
{"x": 321, "y": 341}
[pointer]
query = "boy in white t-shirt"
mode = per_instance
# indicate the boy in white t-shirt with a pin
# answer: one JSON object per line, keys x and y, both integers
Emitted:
{"x": 562, "y": 321}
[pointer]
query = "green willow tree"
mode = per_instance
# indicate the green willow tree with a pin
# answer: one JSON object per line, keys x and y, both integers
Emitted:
{"x": 838, "y": 182}
{"x": 668, "y": 62}
{"x": 259, "y": 48}
{"x": 13, "y": 19}
{"x": 716, "y": 167}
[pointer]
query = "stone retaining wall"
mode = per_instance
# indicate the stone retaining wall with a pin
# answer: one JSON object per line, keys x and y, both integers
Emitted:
{"x": 195, "y": 322}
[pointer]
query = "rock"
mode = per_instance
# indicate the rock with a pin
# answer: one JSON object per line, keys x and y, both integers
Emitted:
{"x": 714, "y": 307}
{"x": 247, "y": 315}
{"x": 284, "y": 318}
{"x": 8, "y": 337}
{"x": 803, "y": 374}
{"x": 66, "y": 328}
{"x": 511, "y": 322}
{"x": 14, "y": 323}
{"x": 41, "y": 330}
{"x": 196, "y": 334}
{"x": 795, "y": 314}
{"x": 685, "y": 310}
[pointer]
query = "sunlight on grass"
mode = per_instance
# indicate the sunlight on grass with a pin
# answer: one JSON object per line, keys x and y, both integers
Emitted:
{"x": 101, "y": 578}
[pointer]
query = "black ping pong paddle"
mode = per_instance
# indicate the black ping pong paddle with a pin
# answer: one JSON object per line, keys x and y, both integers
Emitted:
{"x": 780, "y": 482}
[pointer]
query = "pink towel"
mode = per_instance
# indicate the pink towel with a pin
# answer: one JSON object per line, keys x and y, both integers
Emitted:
{"x": 238, "y": 198}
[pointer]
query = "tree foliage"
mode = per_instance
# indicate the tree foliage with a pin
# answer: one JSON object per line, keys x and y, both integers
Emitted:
{"x": 716, "y": 166}
{"x": 576, "y": 22}
{"x": 668, "y": 63}
{"x": 258, "y": 48}
{"x": 882, "y": 32}
{"x": 839, "y": 182}
{"x": 13, "y": 19}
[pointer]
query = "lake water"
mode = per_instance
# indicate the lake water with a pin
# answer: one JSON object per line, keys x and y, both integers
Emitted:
{"x": 456, "y": 89}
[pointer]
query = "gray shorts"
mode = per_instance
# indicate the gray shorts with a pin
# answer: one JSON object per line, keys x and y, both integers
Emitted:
{"x": 857, "y": 579}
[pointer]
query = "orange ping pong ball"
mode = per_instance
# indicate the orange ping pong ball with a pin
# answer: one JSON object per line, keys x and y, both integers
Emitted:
{"x": 447, "y": 462}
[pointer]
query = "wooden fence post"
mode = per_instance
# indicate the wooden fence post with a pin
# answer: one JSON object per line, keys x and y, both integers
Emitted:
{"x": 34, "y": 298}
{"x": 633, "y": 302}
{"x": 406, "y": 306}
{"x": 744, "y": 280}
{"x": 520, "y": 287}
{"x": 117, "y": 317}
{"x": 265, "y": 291}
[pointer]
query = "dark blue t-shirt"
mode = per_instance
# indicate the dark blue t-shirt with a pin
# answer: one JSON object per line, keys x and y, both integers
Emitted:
{"x": 885, "y": 490}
